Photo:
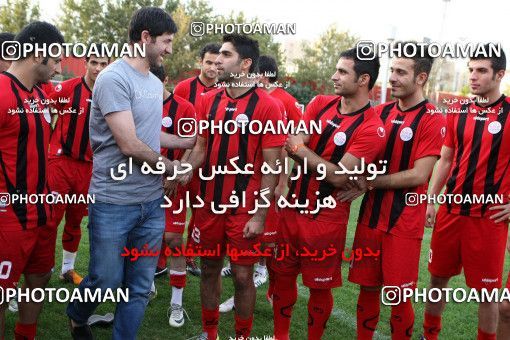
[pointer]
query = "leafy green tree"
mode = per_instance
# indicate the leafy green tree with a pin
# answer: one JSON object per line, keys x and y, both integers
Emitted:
{"x": 16, "y": 14}
{"x": 319, "y": 59}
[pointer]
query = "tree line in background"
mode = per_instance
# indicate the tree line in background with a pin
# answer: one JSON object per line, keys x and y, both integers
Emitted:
{"x": 106, "y": 21}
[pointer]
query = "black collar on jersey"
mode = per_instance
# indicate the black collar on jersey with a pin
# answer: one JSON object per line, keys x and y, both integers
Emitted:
{"x": 363, "y": 109}
{"x": 247, "y": 93}
{"x": 169, "y": 98}
{"x": 207, "y": 87}
{"x": 423, "y": 102}
{"x": 85, "y": 84}
{"x": 16, "y": 80}
{"x": 493, "y": 104}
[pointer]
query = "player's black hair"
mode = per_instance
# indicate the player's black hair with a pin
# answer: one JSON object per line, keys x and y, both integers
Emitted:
{"x": 268, "y": 64}
{"x": 212, "y": 48}
{"x": 159, "y": 71}
{"x": 246, "y": 47}
{"x": 497, "y": 63}
{"x": 152, "y": 19}
{"x": 419, "y": 54}
{"x": 38, "y": 33}
{"x": 98, "y": 47}
{"x": 370, "y": 67}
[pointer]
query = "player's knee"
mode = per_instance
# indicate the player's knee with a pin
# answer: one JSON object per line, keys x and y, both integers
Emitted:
{"x": 439, "y": 282}
{"x": 173, "y": 241}
{"x": 242, "y": 278}
{"x": 504, "y": 311}
{"x": 37, "y": 280}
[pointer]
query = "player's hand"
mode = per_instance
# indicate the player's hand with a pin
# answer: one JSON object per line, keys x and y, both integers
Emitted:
{"x": 278, "y": 192}
{"x": 253, "y": 228}
{"x": 170, "y": 188}
{"x": 430, "y": 216}
{"x": 508, "y": 244}
{"x": 503, "y": 215}
{"x": 291, "y": 142}
{"x": 349, "y": 195}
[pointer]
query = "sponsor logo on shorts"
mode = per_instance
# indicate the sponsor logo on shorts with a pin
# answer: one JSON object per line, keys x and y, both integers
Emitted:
{"x": 323, "y": 279}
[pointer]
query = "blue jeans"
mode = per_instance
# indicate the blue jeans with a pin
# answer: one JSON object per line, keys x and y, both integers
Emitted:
{"x": 111, "y": 228}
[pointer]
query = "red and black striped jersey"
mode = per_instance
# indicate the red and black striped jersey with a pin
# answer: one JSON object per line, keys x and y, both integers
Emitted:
{"x": 73, "y": 100}
{"x": 412, "y": 134}
{"x": 175, "y": 109}
{"x": 292, "y": 107}
{"x": 191, "y": 88}
{"x": 219, "y": 107}
{"x": 360, "y": 133}
{"x": 47, "y": 87}
{"x": 480, "y": 138}
{"x": 24, "y": 138}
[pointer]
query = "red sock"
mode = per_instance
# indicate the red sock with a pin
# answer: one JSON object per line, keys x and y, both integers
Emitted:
{"x": 431, "y": 326}
{"x": 320, "y": 305}
{"x": 367, "y": 313}
{"x": 210, "y": 320}
{"x": 284, "y": 298}
{"x": 485, "y": 336}
{"x": 178, "y": 280}
{"x": 25, "y": 331}
{"x": 243, "y": 327}
{"x": 402, "y": 320}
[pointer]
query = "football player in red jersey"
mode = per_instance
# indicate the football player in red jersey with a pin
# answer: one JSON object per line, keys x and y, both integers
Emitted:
{"x": 173, "y": 146}
{"x": 27, "y": 240}
{"x": 386, "y": 224}
{"x": 241, "y": 100}
{"x": 474, "y": 161}
{"x": 70, "y": 157}
{"x": 191, "y": 89}
{"x": 268, "y": 70}
{"x": 352, "y": 133}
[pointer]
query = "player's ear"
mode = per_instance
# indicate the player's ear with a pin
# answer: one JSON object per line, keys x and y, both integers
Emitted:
{"x": 246, "y": 64}
{"x": 421, "y": 78}
{"x": 363, "y": 80}
{"x": 500, "y": 74}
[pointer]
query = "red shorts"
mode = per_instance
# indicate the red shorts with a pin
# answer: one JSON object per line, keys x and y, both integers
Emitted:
{"x": 30, "y": 251}
{"x": 396, "y": 262}
{"x": 220, "y": 234}
{"x": 271, "y": 225}
{"x": 298, "y": 233}
{"x": 69, "y": 176}
{"x": 175, "y": 222}
{"x": 474, "y": 243}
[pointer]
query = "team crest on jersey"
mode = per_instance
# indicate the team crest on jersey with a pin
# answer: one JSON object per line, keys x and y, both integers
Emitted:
{"x": 58, "y": 88}
{"x": 494, "y": 127}
{"x": 430, "y": 255}
{"x": 406, "y": 134}
{"x": 340, "y": 138}
{"x": 381, "y": 132}
{"x": 47, "y": 115}
{"x": 242, "y": 119}
{"x": 195, "y": 235}
{"x": 166, "y": 122}
{"x": 301, "y": 107}
{"x": 443, "y": 132}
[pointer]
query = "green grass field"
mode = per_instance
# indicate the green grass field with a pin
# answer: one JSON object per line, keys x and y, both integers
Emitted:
{"x": 459, "y": 320}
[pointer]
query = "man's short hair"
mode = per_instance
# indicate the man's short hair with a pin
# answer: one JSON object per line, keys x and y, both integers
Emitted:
{"x": 152, "y": 19}
{"x": 98, "y": 48}
{"x": 159, "y": 71}
{"x": 497, "y": 63}
{"x": 268, "y": 64}
{"x": 246, "y": 47}
{"x": 422, "y": 59}
{"x": 370, "y": 67}
{"x": 39, "y": 33}
{"x": 212, "y": 48}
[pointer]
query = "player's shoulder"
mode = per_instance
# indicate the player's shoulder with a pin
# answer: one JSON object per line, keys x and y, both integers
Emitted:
{"x": 66, "y": 85}
{"x": 284, "y": 95}
{"x": 210, "y": 95}
{"x": 6, "y": 96}
{"x": 185, "y": 82}
{"x": 322, "y": 100}
{"x": 388, "y": 105}
{"x": 182, "y": 102}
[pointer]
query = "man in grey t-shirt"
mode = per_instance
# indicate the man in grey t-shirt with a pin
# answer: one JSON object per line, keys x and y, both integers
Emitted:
{"x": 125, "y": 125}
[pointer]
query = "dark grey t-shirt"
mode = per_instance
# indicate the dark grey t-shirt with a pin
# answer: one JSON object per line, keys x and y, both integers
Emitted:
{"x": 120, "y": 87}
